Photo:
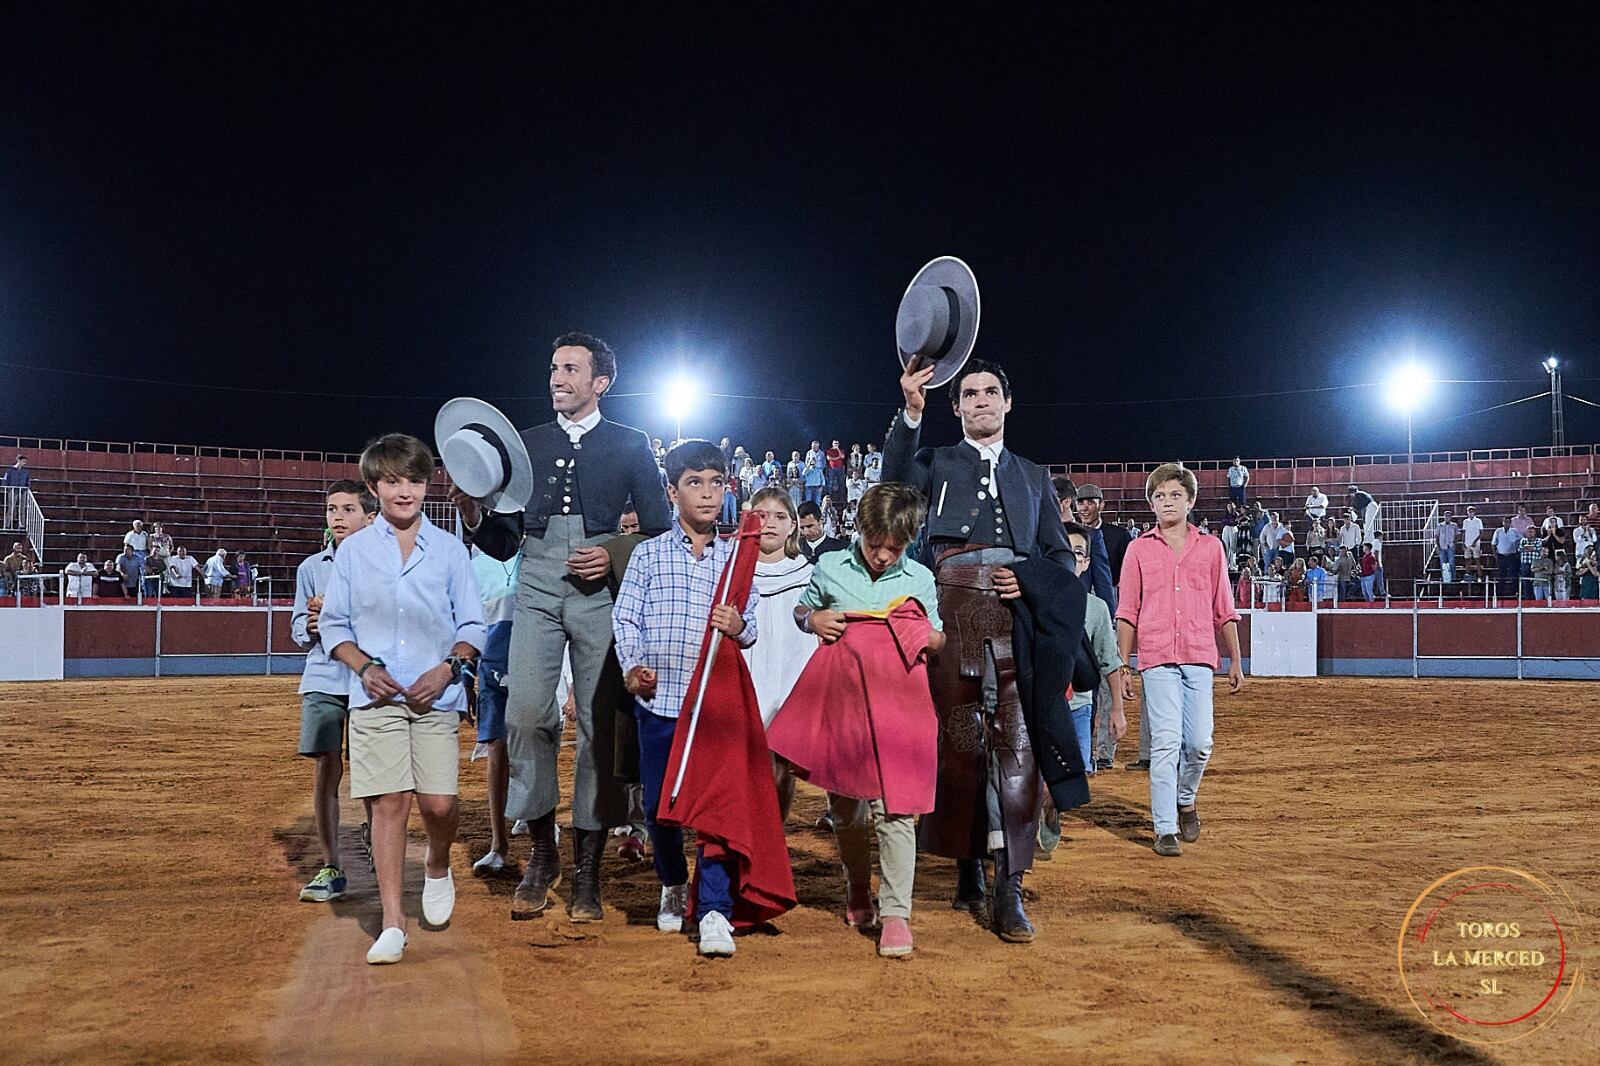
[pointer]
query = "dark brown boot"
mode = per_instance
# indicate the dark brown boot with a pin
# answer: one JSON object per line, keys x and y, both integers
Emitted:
{"x": 1010, "y": 920}
{"x": 543, "y": 873}
{"x": 588, "y": 845}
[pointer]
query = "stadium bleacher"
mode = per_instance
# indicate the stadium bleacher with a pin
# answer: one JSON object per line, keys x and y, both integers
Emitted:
{"x": 269, "y": 503}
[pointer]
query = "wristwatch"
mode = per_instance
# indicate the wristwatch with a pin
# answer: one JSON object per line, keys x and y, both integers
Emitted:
{"x": 461, "y": 665}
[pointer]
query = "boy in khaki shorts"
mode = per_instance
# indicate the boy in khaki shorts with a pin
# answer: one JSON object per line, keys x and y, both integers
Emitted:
{"x": 325, "y": 684}
{"x": 402, "y": 611}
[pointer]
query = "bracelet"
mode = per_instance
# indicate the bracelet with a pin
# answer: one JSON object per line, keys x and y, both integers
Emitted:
{"x": 374, "y": 661}
{"x": 805, "y": 623}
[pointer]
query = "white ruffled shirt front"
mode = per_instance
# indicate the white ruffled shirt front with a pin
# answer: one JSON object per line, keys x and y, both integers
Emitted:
{"x": 777, "y": 659}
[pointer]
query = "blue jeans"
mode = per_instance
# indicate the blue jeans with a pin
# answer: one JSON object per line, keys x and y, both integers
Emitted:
{"x": 813, "y": 494}
{"x": 1177, "y": 710}
{"x": 1447, "y": 562}
{"x": 1366, "y": 586}
{"x": 1083, "y": 725}
{"x": 713, "y": 880}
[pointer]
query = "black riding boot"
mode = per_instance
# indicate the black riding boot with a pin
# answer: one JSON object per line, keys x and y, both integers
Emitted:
{"x": 1010, "y": 920}
{"x": 544, "y": 869}
{"x": 588, "y": 845}
{"x": 970, "y": 888}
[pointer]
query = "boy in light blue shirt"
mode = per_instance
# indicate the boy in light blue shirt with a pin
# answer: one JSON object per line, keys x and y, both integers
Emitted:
{"x": 403, "y": 612}
{"x": 325, "y": 684}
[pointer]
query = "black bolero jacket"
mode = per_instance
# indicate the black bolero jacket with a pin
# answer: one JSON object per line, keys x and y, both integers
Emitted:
{"x": 617, "y": 464}
{"x": 948, "y": 478}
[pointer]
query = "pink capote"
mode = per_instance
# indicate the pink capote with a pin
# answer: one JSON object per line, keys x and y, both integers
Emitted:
{"x": 860, "y": 721}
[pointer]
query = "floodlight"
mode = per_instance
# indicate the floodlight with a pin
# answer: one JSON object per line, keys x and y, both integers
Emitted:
{"x": 678, "y": 401}
{"x": 679, "y": 397}
{"x": 1408, "y": 386}
{"x": 1550, "y": 364}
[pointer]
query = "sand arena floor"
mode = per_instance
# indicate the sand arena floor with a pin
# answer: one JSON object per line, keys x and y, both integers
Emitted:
{"x": 156, "y": 834}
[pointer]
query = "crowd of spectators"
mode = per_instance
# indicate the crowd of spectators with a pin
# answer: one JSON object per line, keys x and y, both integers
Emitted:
{"x": 148, "y": 567}
{"x": 1340, "y": 556}
{"x": 830, "y": 479}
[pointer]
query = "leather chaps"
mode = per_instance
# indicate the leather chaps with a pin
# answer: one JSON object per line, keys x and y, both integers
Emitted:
{"x": 973, "y": 744}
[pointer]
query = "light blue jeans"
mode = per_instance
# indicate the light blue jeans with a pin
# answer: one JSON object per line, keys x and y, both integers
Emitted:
{"x": 1083, "y": 725}
{"x": 1177, "y": 706}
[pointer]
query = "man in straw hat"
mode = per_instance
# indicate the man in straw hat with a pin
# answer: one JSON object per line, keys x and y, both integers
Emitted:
{"x": 996, "y": 545}
{"x": 585, "y": 469}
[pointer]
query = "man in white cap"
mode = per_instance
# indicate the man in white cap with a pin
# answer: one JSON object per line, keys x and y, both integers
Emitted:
{"x": 585, "y": 470}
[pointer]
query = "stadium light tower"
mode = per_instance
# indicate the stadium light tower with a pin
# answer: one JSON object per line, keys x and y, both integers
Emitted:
{"x": 1558, "y": 424}
{"x": 679, "y": 400}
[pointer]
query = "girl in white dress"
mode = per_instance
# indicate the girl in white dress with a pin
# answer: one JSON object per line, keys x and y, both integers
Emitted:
{"x": 776, "y": 660}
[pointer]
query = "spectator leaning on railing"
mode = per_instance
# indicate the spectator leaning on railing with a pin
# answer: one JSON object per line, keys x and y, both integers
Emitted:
{"x": 80, "y": 578}
{"x": 14, "y": 564}
{"x": 180, "y": 573}
{"x": 216, "y": 573}
{"x": 131, "y": 569}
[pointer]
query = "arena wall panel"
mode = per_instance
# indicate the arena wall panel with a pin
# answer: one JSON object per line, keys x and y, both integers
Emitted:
{"x": 1457, "y": 633}
{"x": 1553, "y": 634}
{"x": 220, "y": 631}
{"x": 110, "y": 633}
{"x": 1364, "y": 635}
{"x": 282, "y": 640}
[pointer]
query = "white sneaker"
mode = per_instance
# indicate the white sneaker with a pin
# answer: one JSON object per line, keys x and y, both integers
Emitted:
{"x": 491, "y": 863}
{"x": 438, "y": 898}
{"x": 716, "y": 936}
{"x": 389, "y": 947}
{"x": 669, "y": 917}
{"x": 519, "y": 828}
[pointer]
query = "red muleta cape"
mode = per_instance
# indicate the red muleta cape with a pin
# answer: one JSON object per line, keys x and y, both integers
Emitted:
{"x": 860, "y": 721}
{"x": 727, "y": 796}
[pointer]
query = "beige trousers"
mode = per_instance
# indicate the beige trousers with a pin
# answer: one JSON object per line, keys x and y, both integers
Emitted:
{"x": 897, "y": 850}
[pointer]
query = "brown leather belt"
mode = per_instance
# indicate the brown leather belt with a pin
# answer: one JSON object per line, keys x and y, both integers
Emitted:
{"x": 979, "y": 576}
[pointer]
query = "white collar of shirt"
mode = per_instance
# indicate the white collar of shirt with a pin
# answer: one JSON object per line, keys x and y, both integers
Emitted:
{"x": 576, "y": 430}
{"x": 990, "y": 452}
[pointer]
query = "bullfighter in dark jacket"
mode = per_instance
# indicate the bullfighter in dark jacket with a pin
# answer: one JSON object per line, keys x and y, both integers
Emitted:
{"x": 986, "y": 508}
{"x": 585, "y": 471}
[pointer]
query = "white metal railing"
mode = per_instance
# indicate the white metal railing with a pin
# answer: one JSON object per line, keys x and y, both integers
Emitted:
{"x": 19, "y": 513}
{"x": 1408, "y": 521}
{"x": 443, "y": 514}
{"x": 1430, "y": 529}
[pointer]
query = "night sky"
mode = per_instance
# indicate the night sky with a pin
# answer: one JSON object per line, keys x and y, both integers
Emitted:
{"x": 1181, "y": 224}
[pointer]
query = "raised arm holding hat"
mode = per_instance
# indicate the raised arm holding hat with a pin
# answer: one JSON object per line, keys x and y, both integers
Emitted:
{"x": 1004, "y": 571}
{"x": 580, "y": 471}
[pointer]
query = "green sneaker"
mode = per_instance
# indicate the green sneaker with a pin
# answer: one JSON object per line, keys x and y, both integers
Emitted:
{"x": 326, "y": 886}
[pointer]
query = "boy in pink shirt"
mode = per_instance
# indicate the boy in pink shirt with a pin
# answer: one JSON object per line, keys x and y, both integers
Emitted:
{"x": 1173, "y": 597}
